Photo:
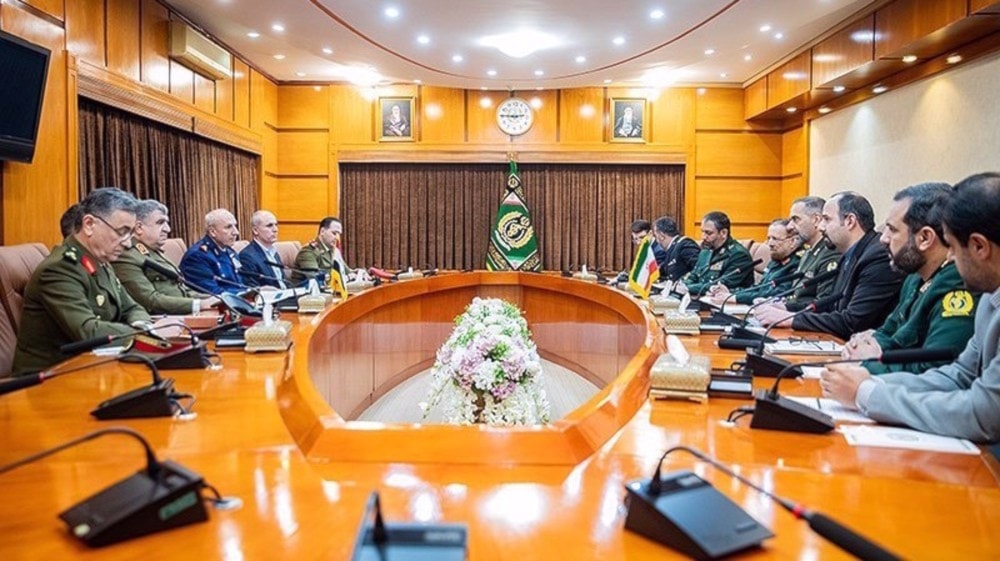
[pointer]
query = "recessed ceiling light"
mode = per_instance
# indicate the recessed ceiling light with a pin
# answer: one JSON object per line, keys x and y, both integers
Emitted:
{"x": 278, "y": 27}
{"x": 279, "y": 57}
{"x": 484, "y": 88}
{"x": 607, "y": 80}
{"x": 327, "y": 51}
{"x": 581, "y": 59}
{"x": 656, "y": 14}
{"x": 748, "y": 58}
{"x": 423, "y": 39}
{"x": 253, "y": 35}
{"x": 824, "y": 110}
{"x": 539, "y": 88}
{"x": 723, "y": 75}
{"x": 392, "y": 12}
{"x": 765, "y": 28}
{"x": 618, "y": 40}
{"x": 539, "y": 72}
{"x": 456, "y": 58}
{"x": 709, "y": 52}
{"x": 779, "y": 35}
{"x": 300, "y": 74}
{"x": 879, "y": 89}
{"x": 491, "y": 72}
{"x": 954, "y": 59}
{"x": 418, "y": 81}
{"x": 792, "y": 109}
{"x": 909, "y": 59}
{"x": 838, "y": 89}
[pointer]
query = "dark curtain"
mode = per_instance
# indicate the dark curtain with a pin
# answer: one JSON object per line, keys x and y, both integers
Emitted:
{"x": 188, "y": 173}
{"x": 441, "y": 215}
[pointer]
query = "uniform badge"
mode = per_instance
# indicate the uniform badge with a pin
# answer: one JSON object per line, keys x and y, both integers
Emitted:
{"x": 141, "y": 248}
{"x": 71, "y": 254}
{"x": 957, "y": 303}
{"x": 100, "y": 299}
{"x": 831, "y": 266}
{"x": 88, "y": 264}
{"x": 717, "y": 266}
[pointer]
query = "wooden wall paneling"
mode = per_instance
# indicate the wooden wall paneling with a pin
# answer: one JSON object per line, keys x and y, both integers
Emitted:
{"x": 793, "y": 152}
{"x": 755, "y": 98}
{"x": 481, "y": 108}
{"x": 204, "y": 93}
{"x": 792, "y": 187}
{"x": 724, "y": 109}
{"x": 905, "y": 21}
{"x": 672, "y": 117}
{"x": 843, "y": 52}
{"x": 123, "y": 23}
{"x": 241, "y": 93}
{"x": 789, "y": 80}
{"x": 155, "y": 65}
{"x": 303, "y": 107}
{"x": 54, "y": 8}
{"x": 302, "y": 232}
{"x": 744, "y": 200}
{"x": 545, "y": 128}
{"x": 984, "y": 6}
{"x": 442, "y": 115}
{"x": 36, "y": 194}
{"x": 738, "y": 154}
{"x": 181, "y": 82}
{"x": 225, "y": 89}
{"x": 302, "y": 199}
{"x": 303, "y": 152}
{"x": 352, "y": 110}
{"x": 85, "y": 31}
{"x": 263, "y": 102}
{"x": 581, "y": 116}
{"x": 269, "y": 197}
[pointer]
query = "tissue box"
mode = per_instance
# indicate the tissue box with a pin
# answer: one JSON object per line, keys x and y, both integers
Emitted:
{"x": 676, "y": 321}
{"x": 358, "y": 286}
{"x": 410, "y": 275}
{"x": 313, "y": 303}
{"x": 662, "y": 302}
{"x": 586, "y": 277}
{"x": 671, "y": 379}
{"x": 274, "y": 337}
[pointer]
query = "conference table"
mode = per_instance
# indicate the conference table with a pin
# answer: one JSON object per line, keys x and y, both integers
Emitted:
{"x": 277, "y": 430}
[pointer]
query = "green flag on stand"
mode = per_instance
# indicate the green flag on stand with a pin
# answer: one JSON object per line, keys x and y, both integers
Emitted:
{"x": 513, "y": 246}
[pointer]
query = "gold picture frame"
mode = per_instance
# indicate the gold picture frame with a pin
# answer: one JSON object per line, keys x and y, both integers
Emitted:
{"x": 394, "y": 119}
{"x": 627, "y": 118}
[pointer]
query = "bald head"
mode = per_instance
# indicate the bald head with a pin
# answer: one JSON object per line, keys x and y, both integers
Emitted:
{"x": 220, "y": 225}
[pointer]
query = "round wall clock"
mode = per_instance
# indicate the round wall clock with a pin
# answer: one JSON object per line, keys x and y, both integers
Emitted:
{"x": 514, "y": 116}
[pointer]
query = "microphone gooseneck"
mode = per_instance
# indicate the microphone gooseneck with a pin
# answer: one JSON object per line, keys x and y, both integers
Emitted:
{"x": 152, "y": 464}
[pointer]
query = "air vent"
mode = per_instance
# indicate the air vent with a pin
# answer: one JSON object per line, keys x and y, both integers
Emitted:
{"x": 197, "y": 52}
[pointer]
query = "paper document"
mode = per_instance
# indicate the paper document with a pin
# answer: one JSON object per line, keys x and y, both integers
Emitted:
{"x": 811, "y": 372}
{"x": 108, "y": 351}
{"x": 800, "y": 347}
{"x": 731, "y": 308}
{"x": 833, "y": 409}
{"x": 895, "y": 437}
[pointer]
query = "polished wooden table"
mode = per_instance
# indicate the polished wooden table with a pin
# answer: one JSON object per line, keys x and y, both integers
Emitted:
{"x": 275, "y": 430}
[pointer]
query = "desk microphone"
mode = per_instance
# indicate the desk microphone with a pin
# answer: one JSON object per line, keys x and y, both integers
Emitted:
{"x": 760, "y": 364}
{"x": 162, "y": 496}
{"x": 721, "y": 280}
{"x": 234, "y": 284}
{"x": 307, "y": 271}
{"x": 715, "y": 533}
{"x": 730, "y": 320}
{"x": 773, "y": 412}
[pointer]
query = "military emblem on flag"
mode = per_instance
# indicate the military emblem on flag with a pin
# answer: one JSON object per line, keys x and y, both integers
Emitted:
{"x": 644, "y": 271}
{"x": 513, "y": 246}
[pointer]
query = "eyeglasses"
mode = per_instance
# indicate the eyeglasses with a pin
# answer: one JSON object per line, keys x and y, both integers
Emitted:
{"x": 123, "y": 233}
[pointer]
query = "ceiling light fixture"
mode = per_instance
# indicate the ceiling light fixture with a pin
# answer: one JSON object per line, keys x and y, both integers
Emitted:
{"x": 824, "y": 110}
{"x": 909, "y": 59}
{"x": 779, "y": 35}
{"x": 327, "y": 51}
{"x": 838, "y": 89}
{"x": 279, "y": 57}
{"x": 765, "y": 28}
{"x": 792, "y": 109}
{"x": 879, "y": 89}
{"x": 392, "y": 12}
{"x": 253, "y": 35}
{"x": 491, "y": 72}
{"x": 581, "y": 59}
{"x": 418, "y": 81}
{"x": 278, "y": 27}
{"x": 656, "y": 14}
{"x": 607, "y": 80}
{"x": 723, "y": 75}
{"x": 300, "y": 74}
{"x": 423, "y": 39}
{"x": 521, "y": 43}
{"x": 618, "y": 40}
{"x": 954, "y": 59}
{"x": 456, "y": 58}
{"x": 539, "y": 72}
{"x": 709, "y": 52}
{"x": 748, "y": 58}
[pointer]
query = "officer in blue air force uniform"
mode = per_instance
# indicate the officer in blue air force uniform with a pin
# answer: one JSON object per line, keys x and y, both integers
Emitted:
{"x": 211, "y": 263}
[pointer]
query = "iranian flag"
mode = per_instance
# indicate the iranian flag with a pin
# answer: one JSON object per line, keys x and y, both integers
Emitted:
{"x": 645, "y": 271}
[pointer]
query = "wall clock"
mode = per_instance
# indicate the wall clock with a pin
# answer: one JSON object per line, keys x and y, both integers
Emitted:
{"x": 514, "y": 116}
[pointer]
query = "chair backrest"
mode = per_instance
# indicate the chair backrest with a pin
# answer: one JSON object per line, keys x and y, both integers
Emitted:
{"x": 174, "y": 249}
{"x": 288, "y": 251}
{"x": 239, "y": 245}
{"x": 17, "y": 263}
{"x": 758, "y": 251}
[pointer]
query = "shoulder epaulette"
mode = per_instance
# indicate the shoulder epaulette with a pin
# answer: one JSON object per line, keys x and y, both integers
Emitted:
{"x": 204, "y": 247}
{"x": 141, "y": 248}
{"x": 71, "y": 254}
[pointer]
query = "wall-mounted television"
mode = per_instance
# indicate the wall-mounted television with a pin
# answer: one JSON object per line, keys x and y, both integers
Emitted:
{"x": 23, "y": 69}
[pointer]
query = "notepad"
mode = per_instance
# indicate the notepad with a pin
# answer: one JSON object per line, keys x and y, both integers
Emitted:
{"x": 908, "y": 439}
{"x": 834, "y": 409}
{"x": 799, "y": 347}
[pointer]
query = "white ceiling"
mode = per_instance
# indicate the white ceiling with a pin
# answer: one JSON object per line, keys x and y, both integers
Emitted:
{"x": 367, "y": 46}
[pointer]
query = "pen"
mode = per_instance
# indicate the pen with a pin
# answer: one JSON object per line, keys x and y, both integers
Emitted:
{"x": 819, "y": 404}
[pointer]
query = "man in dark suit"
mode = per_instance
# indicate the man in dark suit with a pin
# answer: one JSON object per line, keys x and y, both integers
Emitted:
{"x": 867, "y": 284}
{"x": 680, "y": 252}
{"x": 639, "y": 230}
{"x": 261, "y": 264}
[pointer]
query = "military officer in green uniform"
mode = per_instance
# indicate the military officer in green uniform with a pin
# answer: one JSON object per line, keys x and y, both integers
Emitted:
{"x": 74, "y": 294}
{"x": 819, "y": 256}
{"x": 935, "y": 310}
{"x": 785, "y": 255}
{"x": 151, "y": 288}
{"x": 722, "y": 260}
{"x": 320, "y": 254}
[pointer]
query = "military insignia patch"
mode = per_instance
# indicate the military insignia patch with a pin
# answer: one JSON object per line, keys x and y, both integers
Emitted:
{"x": 88, "y": 264}
{"x": 71, "y": 254}
{"x": 831, "y": 266}
{"x": 717, "y": 266}
{"x": 100, "y": 299}
{"x": 957, "y": 303}
{"x": 141, "y": 248}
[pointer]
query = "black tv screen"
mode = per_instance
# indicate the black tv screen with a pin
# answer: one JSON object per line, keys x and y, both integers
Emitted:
{"x": 23, "y": 69}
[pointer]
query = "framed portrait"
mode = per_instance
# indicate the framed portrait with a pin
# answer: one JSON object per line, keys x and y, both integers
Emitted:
{"x": 395, "y": 119}
{"x": 628, "y": 120}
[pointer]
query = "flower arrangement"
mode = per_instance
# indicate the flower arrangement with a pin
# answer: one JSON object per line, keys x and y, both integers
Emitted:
{"x": 488, "y": 371}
